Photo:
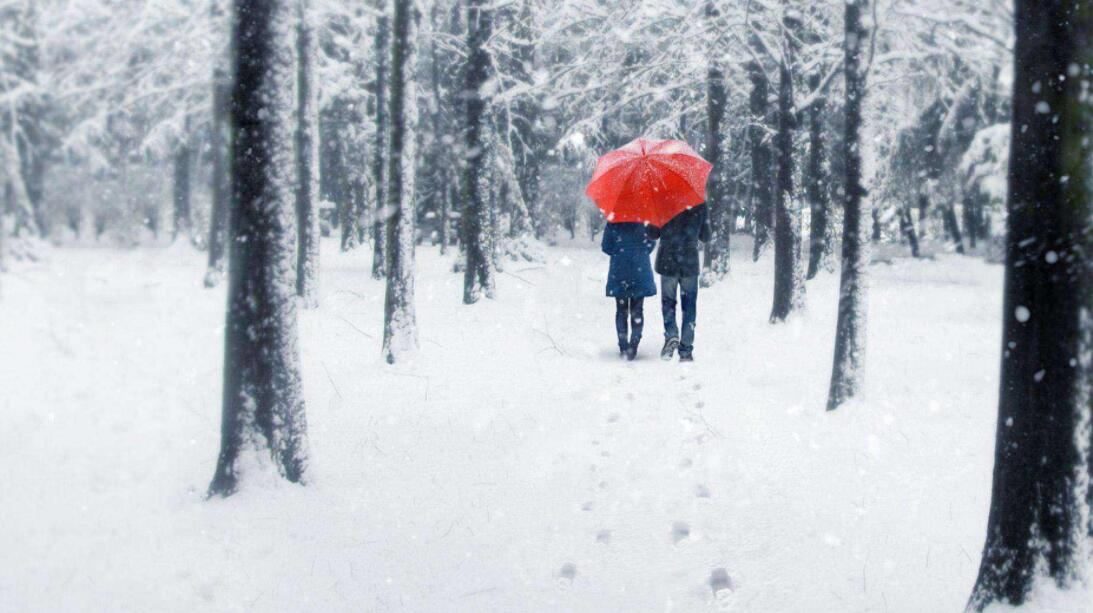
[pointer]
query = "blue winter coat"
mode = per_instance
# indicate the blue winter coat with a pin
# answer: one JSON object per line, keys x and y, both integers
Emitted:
{"x": 630, "y": 275}
{"x": 678, "y": 252}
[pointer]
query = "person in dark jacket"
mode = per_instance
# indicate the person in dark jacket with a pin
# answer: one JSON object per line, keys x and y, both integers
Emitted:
{"x": 678, "y": 267}
{"x": 629, "y": 280}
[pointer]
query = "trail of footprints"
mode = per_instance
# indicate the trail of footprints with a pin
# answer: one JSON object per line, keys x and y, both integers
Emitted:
{"x": 721, "y": 585}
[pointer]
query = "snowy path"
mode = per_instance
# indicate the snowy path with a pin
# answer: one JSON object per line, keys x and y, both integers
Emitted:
{"x": 514, "y": 464}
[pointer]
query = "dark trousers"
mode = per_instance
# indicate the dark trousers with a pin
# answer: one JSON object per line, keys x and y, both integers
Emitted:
{"x": 629, "y": 309}
{"x": 688, "y": 295}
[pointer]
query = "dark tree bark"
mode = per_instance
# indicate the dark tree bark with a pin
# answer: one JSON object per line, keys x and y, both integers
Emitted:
{"x": 716, "y": 261}
{"x": 1038, "y": 521}
{"x": 850, "y": 328}
{"x": 183, "y": 161}
{"x": 478, "y": 272}
{"x": 379, "y": 148}
{"x": 789, "y": 285}
{"x": 819, "y": 244}
{"x": 762, "y": 198}
{"x": 969, "y": 208}
{"x": 307, "y": 209}
{"x": 952, "y": 227}
{"x": 399, "y": 322}
{"x": 907, "y": 228}
{"x": 263, "y": 395}
{"x": 221, "y": 185}
{"x": 876, "y": 235}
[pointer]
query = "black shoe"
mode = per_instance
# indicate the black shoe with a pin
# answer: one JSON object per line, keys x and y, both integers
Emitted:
{"x": 669, "y": 348}
{"x": 686, "y": 355}
{"x": 632, "y": 352}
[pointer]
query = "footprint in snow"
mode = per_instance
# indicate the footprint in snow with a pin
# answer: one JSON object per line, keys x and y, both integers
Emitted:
{"x": 613, "y": 418}
{"x": 701, "y": 491}
{"x": 680, "y": 532}
{"x": 566, "y": 574}
{"x": 587, "y": 506}
{"x": 723, "y": 590}
{"x": 604, "y": 537}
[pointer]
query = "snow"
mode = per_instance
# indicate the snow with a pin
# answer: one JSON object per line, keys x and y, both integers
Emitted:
{"x": 513, "y": 463}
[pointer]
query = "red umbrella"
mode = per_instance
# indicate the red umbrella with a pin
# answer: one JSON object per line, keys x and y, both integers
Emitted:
{"x": 649, "y": 181}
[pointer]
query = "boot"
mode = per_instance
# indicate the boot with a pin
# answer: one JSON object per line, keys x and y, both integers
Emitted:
{"x": 669, "y": 349}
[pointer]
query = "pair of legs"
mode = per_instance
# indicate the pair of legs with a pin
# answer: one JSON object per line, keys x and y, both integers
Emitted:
{"x": 629, "y": 310}
{"x": 687, "y": 289}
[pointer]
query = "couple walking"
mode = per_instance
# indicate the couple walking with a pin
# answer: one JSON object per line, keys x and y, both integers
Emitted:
{"x": 650, "y": 190}
{"x": 630, "y": 278}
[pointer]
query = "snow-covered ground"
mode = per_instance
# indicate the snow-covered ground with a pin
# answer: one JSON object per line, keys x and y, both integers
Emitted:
{"x": 515, "y": 463}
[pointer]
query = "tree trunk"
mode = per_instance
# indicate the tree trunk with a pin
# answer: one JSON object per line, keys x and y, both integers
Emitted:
{"x": 760, "y": 158}
{"x": 819, "y": 244}
{"x": 952, "y": 227}
{"x": 849, "y": 357}
{"x": 379, "y": 148}
{"x": 876, "y": 235}
{"x": 399, "y": 321}
{"x": 527, "y": 147}
{"x": 788, "y": 282}
{"x": 1038, "y": 520}
{"x": 716, "y": 262}
{"x": 263, "y": 394}
{"x": 307, "y": 208}
{"x": 478, "y": 273}
{"x": 907, "y": 227}
{"x": 181, "y": 196}
{"x": 219, "y": 138}
{"x": 971, "y": 226}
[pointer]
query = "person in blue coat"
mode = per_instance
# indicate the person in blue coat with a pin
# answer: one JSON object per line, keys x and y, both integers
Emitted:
{"x": 629, "y": 280}
{"x": 678, "y": 267}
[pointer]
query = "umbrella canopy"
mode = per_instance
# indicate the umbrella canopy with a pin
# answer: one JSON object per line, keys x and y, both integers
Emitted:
{"x": 649, "y": 181}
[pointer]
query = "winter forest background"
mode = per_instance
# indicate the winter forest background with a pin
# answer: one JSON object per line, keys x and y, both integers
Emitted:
{"x": 336, "y": 256}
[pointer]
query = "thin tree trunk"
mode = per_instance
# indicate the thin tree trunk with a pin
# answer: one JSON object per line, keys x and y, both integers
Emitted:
{"x": 953, "y": 227}
{"x": 788, "y": 282}
{"x": 221, "y": 185}
{"x": 760, "y": 159}
{"x": 1039, "y": 522}
{"x": 307, "y": 209}
{"x": 971, "y": 227}
{"x": 846, "y": 370}
{"x": 907, "y": 227}
{"x": 478, "y": 273}
{"x": 399, "y": 322}
{"x": 716, "y": 262}
{"x": 819, "y": 245}
{"x": 379, "y": 148}
{"x": 263, "y": 395}
{"x": 181, "y": 196}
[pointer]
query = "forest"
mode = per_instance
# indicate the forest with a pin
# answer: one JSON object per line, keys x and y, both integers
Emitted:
{"x": 303, "y": 306}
